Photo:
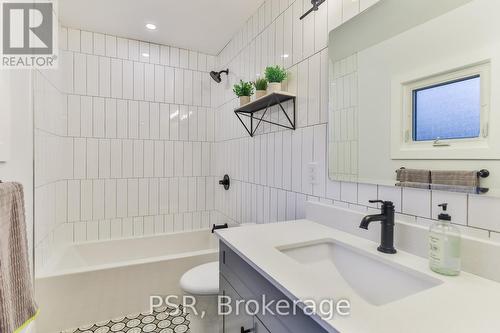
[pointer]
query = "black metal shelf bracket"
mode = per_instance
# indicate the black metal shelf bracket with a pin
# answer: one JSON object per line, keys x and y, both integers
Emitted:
{"x": 265, "y": 103}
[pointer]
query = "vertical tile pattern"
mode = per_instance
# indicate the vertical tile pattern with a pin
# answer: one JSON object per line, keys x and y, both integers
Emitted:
{"x": 129, "y": 145}
{"x": 344, "y": 119}
{"x": 114, "y": 155}
{"x": 276, "y": 171}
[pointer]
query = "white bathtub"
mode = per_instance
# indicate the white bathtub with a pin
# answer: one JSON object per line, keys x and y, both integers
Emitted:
{"x": 96, "y": 281}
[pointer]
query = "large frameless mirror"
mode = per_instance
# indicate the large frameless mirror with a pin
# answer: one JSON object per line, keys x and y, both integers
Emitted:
{"x": 412, "y": 96}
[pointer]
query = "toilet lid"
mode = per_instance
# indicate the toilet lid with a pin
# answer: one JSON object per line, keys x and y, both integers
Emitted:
{"x": 202, "y": 280}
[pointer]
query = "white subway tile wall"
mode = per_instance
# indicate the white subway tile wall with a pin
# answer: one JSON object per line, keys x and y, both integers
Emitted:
{"x": 131, "y": 137}
{"x": 124, "y": 142}
{"x": 344, "y": 123}
{"x": 275, "y": 172}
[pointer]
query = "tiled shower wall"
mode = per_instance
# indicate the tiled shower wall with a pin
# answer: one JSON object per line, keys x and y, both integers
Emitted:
{"x": 53, "y": 162}
{"x": 275, "y": 172}
{"x": 124, "y": 141}
{"x": 343, "y": 127}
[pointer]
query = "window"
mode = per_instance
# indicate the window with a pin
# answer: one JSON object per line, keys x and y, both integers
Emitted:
{"x": 447, "y": 108}
{"x": 446, "y": 111}
{"x": 444, "y": 115}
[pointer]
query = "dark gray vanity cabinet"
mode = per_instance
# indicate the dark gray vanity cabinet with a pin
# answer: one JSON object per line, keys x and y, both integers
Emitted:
{"x": 241, "y": 282}
{"x": 240, "y": 322}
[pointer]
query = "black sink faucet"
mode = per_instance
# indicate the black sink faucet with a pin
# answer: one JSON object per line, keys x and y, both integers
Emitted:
{"x": 387, "y": 220}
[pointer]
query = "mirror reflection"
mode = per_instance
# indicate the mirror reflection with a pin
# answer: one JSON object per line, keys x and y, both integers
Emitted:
{"x": 412, "y": 101}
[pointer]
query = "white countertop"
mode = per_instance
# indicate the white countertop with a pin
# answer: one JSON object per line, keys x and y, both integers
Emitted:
{"x": 466, "y": 303}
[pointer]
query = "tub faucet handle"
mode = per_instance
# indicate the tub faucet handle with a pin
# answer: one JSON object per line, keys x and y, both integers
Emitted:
{"x": 217, "y": 227}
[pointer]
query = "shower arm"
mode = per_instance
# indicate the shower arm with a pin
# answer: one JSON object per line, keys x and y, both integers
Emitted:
{"x": 315, "y": 7}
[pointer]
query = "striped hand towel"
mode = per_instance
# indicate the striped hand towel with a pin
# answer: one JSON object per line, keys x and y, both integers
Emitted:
{"x": 17, "y": 303}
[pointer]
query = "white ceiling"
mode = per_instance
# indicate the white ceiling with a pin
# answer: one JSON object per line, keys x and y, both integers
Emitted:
{"x": 201, "y": 25}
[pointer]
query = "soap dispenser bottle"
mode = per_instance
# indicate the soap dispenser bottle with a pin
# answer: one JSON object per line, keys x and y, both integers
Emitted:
{"x": 444, "y": 245}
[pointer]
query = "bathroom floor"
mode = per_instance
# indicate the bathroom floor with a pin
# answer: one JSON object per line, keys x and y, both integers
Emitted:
{"x": 162, "y": 320}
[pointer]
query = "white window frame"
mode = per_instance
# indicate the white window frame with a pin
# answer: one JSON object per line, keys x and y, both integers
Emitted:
{"x": 403, "y": 144}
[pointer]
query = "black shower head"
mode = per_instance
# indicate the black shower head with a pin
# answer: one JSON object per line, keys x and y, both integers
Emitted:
{"x": 217, "y": 75}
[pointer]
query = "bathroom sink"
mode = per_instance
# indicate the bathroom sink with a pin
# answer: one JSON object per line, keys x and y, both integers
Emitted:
{"x": 376, "y": 280}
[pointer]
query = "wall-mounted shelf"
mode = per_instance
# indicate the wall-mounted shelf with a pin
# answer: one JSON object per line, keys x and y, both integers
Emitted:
{"x": 265, "y": 103}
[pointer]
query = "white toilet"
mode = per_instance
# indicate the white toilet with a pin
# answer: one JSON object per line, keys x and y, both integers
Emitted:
{"x": 202, "y": 282}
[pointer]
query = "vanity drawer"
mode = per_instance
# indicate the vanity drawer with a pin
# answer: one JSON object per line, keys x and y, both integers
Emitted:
{"x": 251, "y": 285}
{"x": 233, "y": 322}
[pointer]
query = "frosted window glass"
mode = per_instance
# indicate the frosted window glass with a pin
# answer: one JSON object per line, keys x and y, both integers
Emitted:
{"x": 448, "y": 111}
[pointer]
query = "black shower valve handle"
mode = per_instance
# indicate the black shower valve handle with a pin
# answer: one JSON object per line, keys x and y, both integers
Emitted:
{"x": 226, "y": 182}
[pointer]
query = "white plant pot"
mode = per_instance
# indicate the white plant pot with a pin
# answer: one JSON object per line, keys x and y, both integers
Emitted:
{"x": 273, "y": 87}
{"x": 260, "y": 93}
{"x": 244, "y": 100}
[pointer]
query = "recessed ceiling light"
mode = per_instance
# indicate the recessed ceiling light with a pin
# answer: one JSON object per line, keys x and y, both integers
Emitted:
{"x": 151, "y": 26}
{"x": 285, "y": 56}
{"x": 145, "y": 55}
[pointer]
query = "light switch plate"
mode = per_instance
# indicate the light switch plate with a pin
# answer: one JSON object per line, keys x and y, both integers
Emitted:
{"x": 312, "y": 173}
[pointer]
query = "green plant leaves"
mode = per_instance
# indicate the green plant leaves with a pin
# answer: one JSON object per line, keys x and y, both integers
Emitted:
{"x": 260, "y": 84}
{"x": 243, "y": 89}
{"x": 275, "y": 74}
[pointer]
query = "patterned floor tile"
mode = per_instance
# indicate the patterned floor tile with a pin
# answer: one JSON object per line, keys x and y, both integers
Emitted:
{"x": 162, "y": 320}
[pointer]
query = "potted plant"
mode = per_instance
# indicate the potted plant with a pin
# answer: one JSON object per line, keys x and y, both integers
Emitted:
{"x": 260, "y": 87}
{"x": 243, "y": 90}
{"x": 275, "y": 75}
